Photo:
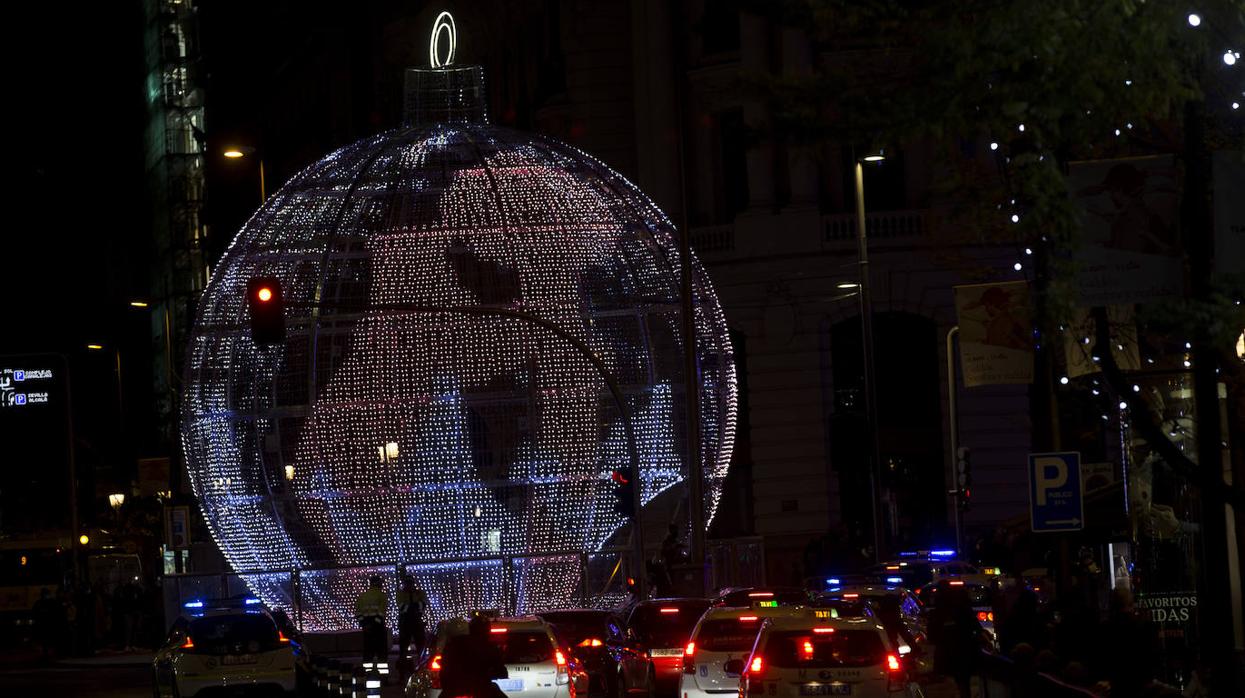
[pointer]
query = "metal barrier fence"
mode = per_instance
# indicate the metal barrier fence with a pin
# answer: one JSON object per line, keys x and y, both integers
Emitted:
{"x": 1000, "y": 677}
{"x": 602, "y": 580}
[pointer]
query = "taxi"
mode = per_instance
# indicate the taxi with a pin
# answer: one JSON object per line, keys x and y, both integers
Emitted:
{"x": 723, "y": 637}
{"x": 899, "y": 611}
{"x": 794, "y": 657}
{"x": 536, "y": 666}
{"x": 224, "y": 645}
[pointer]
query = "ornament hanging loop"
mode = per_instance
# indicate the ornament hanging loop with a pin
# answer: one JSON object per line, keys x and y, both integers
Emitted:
{"x": 444, "y": 25}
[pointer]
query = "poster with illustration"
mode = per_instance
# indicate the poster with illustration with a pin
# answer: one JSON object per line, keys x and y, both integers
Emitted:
{"x": 996, "y": 333}
{"x": 1130, "y": 248}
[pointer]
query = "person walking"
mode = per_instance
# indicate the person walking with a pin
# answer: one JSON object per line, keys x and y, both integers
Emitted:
{"x": 955, "y": 634}
{"x": 1126, "y": 646}
{"x": 470, "y": 662}
{"x": 411, "y": 629}
{"x": 370, "y": 610}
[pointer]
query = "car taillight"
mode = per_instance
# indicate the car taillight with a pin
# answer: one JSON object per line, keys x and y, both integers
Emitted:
{"x": 434, "y": 669}
{"x": 564, "y": 674}
{"x": 747, "y": 619}
{"x": 985, "y": 616}
{"x": 189, "y": 644}
{"x": 689, "y": 658}
{"x": 591, "y": 642}
{"x": 756, "y": 666}
{"x": 895, "y": 679}
{"x": 281, "y": 637}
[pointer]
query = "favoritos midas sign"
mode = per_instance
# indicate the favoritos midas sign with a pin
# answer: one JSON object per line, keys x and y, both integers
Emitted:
{"x": 1170, "y": 607}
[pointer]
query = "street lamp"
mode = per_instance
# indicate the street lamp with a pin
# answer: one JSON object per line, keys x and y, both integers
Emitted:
{"x": 866, "y": 341}
{"x": 241, "y": 151}
{"x": 116, "y": 500}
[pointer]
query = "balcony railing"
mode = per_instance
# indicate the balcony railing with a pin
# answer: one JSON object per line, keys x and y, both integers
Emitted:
{"x": 883, "y": 225}
{"x": 713, "y": 239}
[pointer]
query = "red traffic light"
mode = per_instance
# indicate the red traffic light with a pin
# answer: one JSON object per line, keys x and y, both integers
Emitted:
{"x": 266, "y": 307}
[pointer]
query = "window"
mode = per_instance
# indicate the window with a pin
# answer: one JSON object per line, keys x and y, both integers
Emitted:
{"x": 719, "y": 26}
{"x": 523, "y": 647}
{"x": 803, "y": 649}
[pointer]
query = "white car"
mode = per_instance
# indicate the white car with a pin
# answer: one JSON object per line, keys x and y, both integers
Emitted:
{"x": 795, "y": 657}
{"x": 537, "y": 667}
{"x": 221, "y": 646}
{"x": 722, "y": 636}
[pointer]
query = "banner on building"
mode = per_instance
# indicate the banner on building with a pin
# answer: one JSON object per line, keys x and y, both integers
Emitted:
{"x": 996, "y": 333}
{"x": 1079, "y": 341}
{"x": 1229, "y": 182}
{"x": 1130, "y": 250}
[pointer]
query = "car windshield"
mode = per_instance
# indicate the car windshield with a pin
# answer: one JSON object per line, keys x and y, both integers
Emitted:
{"x": 574, "y": 627}
{"x": 804, "y": 649}
{"x": 236, "y": 634}
{"x": 522, "y": 646}
{"x": 666, "y": 625}
{"x": 727, "y": 634}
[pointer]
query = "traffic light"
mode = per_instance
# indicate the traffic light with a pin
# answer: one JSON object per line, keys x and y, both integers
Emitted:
{"x": 964, "y": 477}
{"x": 963, "y": 468}
{"x": 624, "y": 491}
{"x": 266, "y": 305}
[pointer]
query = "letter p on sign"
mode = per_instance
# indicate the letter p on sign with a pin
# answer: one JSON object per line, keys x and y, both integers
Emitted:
{"x": 1052, "y": 474}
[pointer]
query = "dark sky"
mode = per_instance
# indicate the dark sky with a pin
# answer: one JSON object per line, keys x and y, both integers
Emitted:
{"x": 74, "y": 245}
{"x": 73, "y": 248}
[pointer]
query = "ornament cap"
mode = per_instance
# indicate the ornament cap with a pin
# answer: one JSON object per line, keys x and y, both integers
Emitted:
{"x": 445, "y": 95}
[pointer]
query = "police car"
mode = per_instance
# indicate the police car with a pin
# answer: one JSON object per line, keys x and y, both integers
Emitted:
{"x": 224, "y": 645}
{"x": 802, "y": 656}
{"x": 536, "y": 666}
{"x": 723, "y": 636}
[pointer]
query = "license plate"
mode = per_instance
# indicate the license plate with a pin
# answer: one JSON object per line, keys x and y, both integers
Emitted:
{"x": 676, "y": 652}
{"x": 509, "y": 685}
{"x": 826, "y": 689}
{"x": 237, "y": 659}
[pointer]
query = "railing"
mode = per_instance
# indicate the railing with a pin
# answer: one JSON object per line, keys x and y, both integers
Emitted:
{"x": 712, "y": 239}
{"x": 1000, "y": 677}
{"x": 883, "y": 225}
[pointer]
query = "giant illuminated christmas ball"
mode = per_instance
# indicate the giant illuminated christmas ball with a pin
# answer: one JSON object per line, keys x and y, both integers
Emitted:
{"x": 436, "y": 406}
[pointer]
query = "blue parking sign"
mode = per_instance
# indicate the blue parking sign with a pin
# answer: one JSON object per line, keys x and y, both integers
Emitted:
{"x": 1055, "y": 492}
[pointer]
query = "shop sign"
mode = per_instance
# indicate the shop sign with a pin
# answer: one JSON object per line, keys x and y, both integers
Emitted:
{"x": 1174, "y": 611}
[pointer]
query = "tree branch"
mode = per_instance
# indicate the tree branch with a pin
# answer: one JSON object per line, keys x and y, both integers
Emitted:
{"x": 1143, "y": 422}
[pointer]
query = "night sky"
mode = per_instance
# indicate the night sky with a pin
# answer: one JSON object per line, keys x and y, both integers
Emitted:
{"x": 75, "y": 243}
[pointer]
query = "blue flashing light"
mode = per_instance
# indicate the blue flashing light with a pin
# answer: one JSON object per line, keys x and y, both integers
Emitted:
{"x": 894, "y": 580}
{"x": 942, "y": 553}
{"x": 833, "y": 580}
{"x": 909, "y": 553}
{"x": 252, "y": 601}
{"x": 194, "y": 604}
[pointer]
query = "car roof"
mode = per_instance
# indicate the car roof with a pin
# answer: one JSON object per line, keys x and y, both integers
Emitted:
{"x": 865, "y": 590}
{"x": 807, "y": 623}
{"x": 674, "y": 600}
{"x": 719, "y": 612}
{"x": 524, "y": 622}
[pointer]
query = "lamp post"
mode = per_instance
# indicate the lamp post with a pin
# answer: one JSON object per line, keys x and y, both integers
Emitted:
{"x": 866, "y": 342}
{"x": 241, "y": 151}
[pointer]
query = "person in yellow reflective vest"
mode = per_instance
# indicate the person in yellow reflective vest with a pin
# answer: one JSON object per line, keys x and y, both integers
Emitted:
{"x": 370, "y": 609}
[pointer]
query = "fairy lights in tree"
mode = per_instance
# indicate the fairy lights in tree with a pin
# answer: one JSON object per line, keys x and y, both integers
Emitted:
{"x": 473, "y": 449}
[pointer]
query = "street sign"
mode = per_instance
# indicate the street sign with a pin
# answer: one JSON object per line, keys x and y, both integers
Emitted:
{"x": 1055, "y": 492}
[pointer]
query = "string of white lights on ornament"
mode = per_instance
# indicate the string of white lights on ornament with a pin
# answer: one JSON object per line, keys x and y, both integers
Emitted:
{"x": 563, "y": 225}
